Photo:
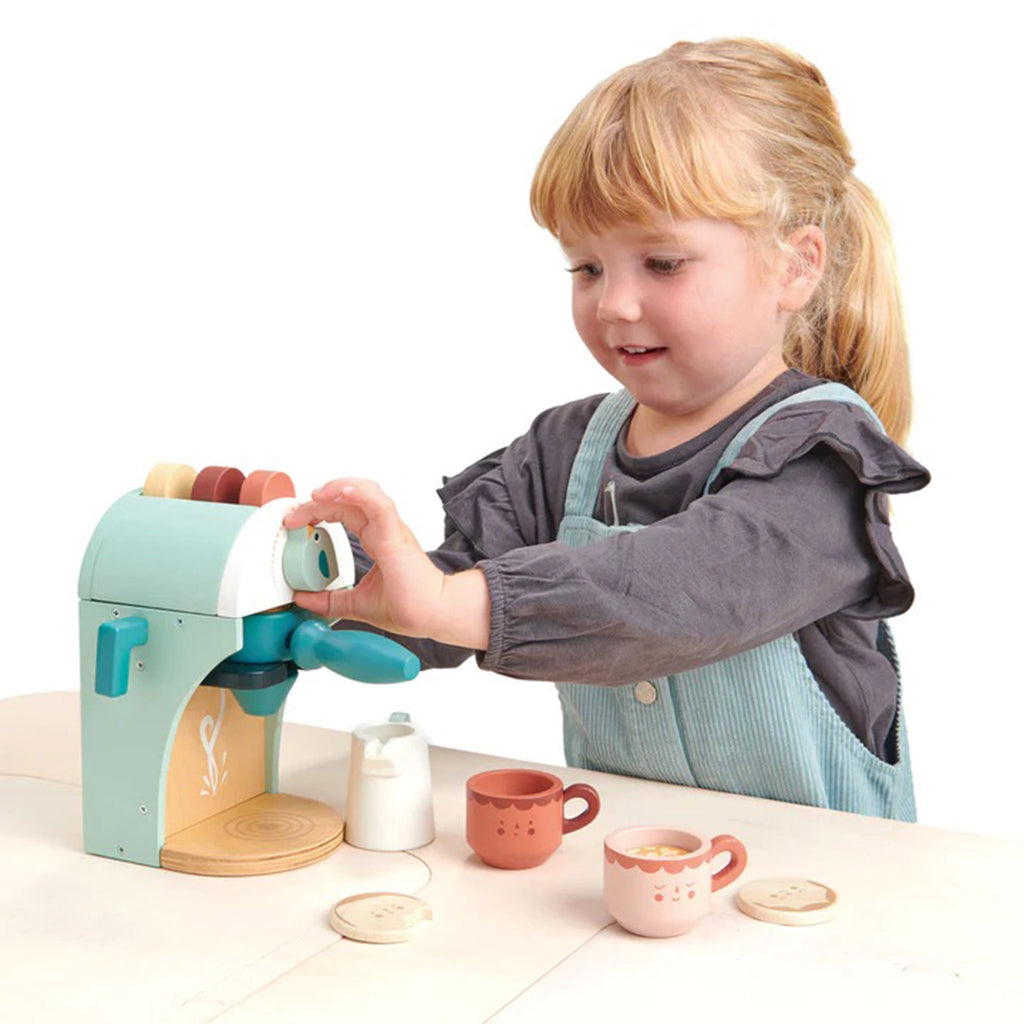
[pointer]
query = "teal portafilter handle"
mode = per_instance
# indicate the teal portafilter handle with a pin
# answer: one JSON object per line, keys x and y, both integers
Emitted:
{"x": 366, "y": 657}
{"x": 114, "y": 643}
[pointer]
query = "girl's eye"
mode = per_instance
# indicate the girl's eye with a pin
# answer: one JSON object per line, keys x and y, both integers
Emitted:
{"x": 585, "y": 269}
{"x": 665, "y": 266}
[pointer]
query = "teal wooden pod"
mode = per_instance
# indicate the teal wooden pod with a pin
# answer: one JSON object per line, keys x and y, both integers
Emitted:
{"x": 310, "y": 562}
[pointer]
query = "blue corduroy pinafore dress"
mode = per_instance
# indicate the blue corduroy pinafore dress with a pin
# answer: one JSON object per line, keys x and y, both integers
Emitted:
{"x": 756, "y": 723}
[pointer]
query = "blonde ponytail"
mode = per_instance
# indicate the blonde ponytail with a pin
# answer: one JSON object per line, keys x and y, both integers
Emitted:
{"x": 852, "y": 330}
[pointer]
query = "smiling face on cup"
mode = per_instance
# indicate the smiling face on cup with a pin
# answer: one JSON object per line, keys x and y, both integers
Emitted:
{"x": 510, "y": 825}
{"x": 658, "y": 881}
{"x": 515, "y": 817}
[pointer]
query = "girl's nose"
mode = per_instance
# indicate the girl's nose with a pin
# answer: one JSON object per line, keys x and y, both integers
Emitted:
{"x": 618, "y": 301}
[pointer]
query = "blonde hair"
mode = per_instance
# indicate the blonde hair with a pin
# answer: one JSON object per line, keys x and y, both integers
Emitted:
{"x": 745, "y": 131}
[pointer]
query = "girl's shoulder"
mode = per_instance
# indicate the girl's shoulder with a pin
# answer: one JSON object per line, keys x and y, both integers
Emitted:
{"x": 556, "y": 430}
{"x": 562, "y": 425}
{"x": 513, "y": 495}
{"x": 827, "y": 425}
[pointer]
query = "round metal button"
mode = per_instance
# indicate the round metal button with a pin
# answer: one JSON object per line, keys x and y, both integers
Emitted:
{"x": 646, "y": 692}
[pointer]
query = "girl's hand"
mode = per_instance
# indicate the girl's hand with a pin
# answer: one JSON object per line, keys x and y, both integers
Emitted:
{"x": 404, "y": 592}
{"x": 401, "y": 591}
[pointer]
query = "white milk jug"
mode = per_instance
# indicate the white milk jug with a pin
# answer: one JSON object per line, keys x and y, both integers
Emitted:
{"x": 390, "y": 802}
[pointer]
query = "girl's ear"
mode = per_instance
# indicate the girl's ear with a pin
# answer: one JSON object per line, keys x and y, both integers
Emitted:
{"x": 805, "y": 265}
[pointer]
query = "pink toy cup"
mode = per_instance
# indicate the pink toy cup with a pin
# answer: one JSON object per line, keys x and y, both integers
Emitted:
{"x": 658, "y": 881}
{"x": 515, "y": 816}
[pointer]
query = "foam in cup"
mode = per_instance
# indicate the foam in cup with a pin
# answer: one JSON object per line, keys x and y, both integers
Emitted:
{"x": 658, "y": 851}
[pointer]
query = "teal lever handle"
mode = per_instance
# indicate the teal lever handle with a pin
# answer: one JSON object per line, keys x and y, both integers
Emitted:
{"x": 114, "y": 643}
{"x": 366, "y": 657}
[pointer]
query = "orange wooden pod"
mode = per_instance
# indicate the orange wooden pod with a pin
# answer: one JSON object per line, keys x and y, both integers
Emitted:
{"x": 265, "y": 485}
{"x": 218, "y": 483}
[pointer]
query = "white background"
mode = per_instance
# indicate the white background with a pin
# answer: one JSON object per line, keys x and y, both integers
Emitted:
{"x": 296, "y": 236}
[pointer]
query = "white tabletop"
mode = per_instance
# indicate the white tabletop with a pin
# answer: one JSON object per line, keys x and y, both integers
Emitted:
{"x": 929, "y": 919}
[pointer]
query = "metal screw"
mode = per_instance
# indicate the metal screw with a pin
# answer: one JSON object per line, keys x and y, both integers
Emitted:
{"x": 143, "y": 809}
{"x": 140, "y": 665}
{"x": 116, "y": 613}
{"x": 180, "y": 623}
{"x": 120, "y": 849}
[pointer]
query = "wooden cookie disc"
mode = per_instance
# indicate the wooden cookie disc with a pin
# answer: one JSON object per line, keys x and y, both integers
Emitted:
{"x": 790, "y": 901}
{"x": 378, "y": 916}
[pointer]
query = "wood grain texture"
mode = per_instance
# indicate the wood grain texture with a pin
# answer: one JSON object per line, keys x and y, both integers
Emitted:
{"x": 217, "y": 760}
{"x": 272, "y": 832}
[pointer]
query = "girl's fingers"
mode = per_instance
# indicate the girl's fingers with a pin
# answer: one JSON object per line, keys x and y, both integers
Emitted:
{"x": 328, "y": 502}
{"x": 304, "y": 515}
{"x": 317, "y": 603}
{"x": 333, "y": 489}
{"x": 327, "y": 505}
{"x": 329, "y": 604}
{"x": 313, "y": 512}
{"x": 349, "y": 501}
{"x": 368, "y": 496}
{"x": 355, "y": 603}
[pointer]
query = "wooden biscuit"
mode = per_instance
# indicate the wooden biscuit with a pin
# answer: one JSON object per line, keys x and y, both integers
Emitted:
{"x": 788, "y": 901}
{"x": 379, "y": 916}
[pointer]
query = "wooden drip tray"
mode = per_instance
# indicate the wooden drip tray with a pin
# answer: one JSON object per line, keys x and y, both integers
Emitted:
{"x": 271, "y": 832}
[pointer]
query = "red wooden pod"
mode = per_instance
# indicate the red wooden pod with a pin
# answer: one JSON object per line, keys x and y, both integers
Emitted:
{"x": 218, "y": 483}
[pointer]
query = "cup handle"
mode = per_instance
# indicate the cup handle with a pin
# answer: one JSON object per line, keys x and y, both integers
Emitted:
{"x": 584, "y": 792}
{"x": 737, "y": 860}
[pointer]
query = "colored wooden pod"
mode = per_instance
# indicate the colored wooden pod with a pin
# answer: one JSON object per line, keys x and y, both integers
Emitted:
{"x": 169, "y": 480}
{"x": 265, "y": 485}
{"x": 218, "y": 483}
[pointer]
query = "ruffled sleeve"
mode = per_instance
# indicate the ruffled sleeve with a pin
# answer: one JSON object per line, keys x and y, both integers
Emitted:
{"x": 477, "y": 505}
{"x": 513, "y": 497}
{"x": 846, "y": 433}
{"x": 795, "y": 531}
{"x": 876, "y": 461}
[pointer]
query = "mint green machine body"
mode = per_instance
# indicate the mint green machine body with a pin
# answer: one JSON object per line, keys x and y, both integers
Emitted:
{"x": 171, "y": 592}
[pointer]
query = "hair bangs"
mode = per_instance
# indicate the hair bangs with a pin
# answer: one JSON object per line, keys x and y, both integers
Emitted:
{"x": 634, "y": 150}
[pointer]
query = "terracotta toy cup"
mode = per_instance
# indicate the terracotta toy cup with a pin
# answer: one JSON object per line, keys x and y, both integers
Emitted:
{"x": 658, "y": 881}
{"x": 515, "y": 816}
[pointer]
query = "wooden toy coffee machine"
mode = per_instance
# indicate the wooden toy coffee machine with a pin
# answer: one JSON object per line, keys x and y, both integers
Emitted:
{"x": 190, "y": 644}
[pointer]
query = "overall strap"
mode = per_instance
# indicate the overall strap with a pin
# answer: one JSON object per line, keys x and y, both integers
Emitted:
{"x": 831, "y": 391}
{"x": 603, "y": 428}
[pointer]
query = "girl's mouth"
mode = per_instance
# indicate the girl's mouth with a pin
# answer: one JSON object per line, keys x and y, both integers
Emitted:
{"x": 638, "y": 355}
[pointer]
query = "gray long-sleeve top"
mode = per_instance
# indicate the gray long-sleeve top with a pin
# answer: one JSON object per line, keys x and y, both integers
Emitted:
{"x": 794, "y": 539}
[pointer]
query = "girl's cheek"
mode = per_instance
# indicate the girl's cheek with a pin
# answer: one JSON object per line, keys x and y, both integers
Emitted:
{"x": 585, "y": 322}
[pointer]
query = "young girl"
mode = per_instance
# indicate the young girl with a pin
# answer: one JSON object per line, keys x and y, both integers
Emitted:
{"x": 701, "y": 561}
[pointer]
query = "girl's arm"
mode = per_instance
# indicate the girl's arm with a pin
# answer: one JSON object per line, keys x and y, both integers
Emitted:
{"x": 404, "y": 592}
{"x": 761, "y": 558}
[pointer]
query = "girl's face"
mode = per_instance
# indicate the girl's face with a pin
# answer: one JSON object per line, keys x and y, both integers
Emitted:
{"x": 682, "y": 314}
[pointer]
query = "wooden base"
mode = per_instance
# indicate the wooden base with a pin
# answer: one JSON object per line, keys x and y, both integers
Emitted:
{"x": 269, "y": 833}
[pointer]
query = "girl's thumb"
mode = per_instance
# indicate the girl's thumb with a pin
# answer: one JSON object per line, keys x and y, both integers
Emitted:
{"x": 317, "y": 602}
